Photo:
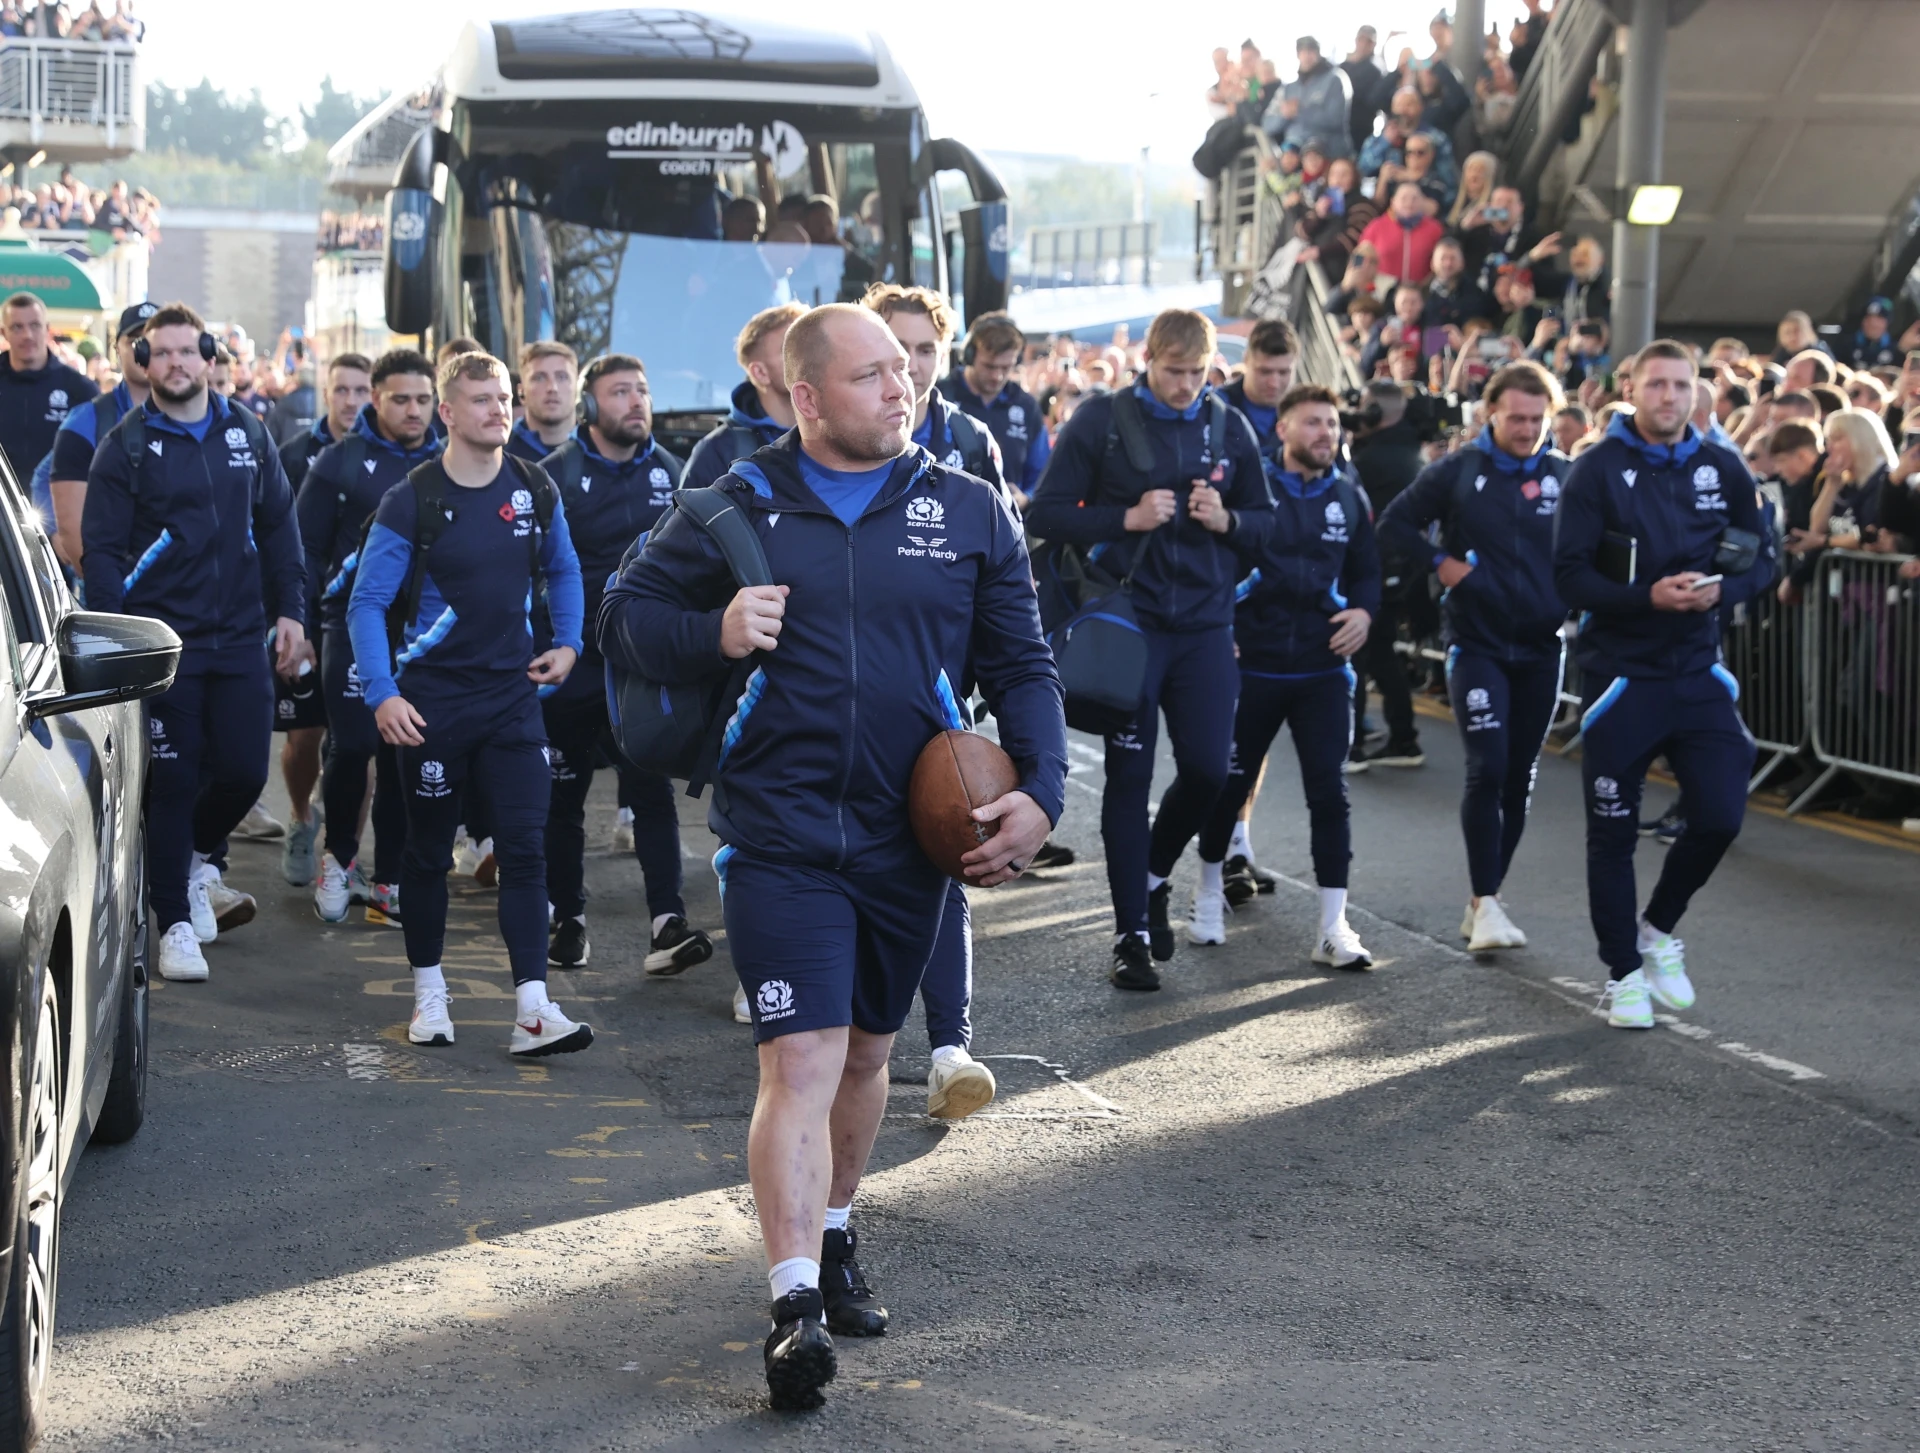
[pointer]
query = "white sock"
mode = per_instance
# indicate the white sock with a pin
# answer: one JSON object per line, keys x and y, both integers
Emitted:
{"x": 1240, "y": 845}
{"x": 944, "y": 1054}
{"x": 1212, "y": 877}
{"x": 531, "y": 996}
{"x": 1139, "y": 933}
{"x": 838, "y": 1216}
{"x": 624, "y": 817}
{"x": 662, "y": 921}
{"x": 1154, "y": 880}
{"x": 1333, "y": 908}
{"x": 793, "y": 1274}
{"x": 428, "y": 981}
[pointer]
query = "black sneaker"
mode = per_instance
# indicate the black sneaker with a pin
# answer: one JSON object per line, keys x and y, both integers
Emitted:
{"x": 677, "y": 948}
{"x": 1133, "y": 965}
{"x": 852, "y": 1308}
{"x": 568, "y": 948}
{"x": 1356, "y": 762}
{"x": 1159, "y": 927}
{"x": 799, "y": 1352}
{"x": 1052, "y": 855}
{"x": 1666, "y": 828}
{"x": 1237, "y": 881}
{"x": 1398, "y": 754}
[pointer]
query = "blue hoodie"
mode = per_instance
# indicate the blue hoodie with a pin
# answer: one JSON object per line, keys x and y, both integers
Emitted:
{"x": 1674, "y": 500}
{"x": 884, "y": 617}
{"x": 335, "y": 501}
{"x": 209, "y": 544}
{"x": 471, "y": 642}
{"x": 747, "y": 428}
{"x": 1497, "y": 513}
{"x": 1318, "y": 558}
{"x": 1016, "y": 422}
{"x": 1186, "y": 583}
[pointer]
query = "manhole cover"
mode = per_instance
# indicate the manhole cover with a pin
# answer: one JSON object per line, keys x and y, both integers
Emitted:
{"x": 291, "y": 1062}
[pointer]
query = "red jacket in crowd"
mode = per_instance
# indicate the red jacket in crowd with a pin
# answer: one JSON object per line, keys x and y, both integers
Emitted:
{"x": 1405, "y": 253}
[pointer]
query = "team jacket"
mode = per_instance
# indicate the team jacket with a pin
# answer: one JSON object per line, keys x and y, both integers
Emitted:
{"x": 207, "y": 542}
{"x": 608, "y": 508}
{"x": 523, "y": 443}
{"x": 33, "y": 405}
{"x": 747, "y": 428}
{"x": 343, "y": 486}
{"x": 297, "y": 454}
{"x": 1185, "y": 583}
{"x": 1017, "y": 425}
{"x": 968, "y": 446}
{"x": 471, "y": 640}
{"x": 1496, "y": 512}
{"x": 881, "y": 623}
{"x": 1674, "y": 501}
{"x": 1317, "y": 558}
{"x": 73, "y": 446}
{"x": 1264, "y": 421}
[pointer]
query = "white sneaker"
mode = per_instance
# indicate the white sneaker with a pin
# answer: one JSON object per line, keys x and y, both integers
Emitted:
{"x": 957, "y": 1085}
{"x": 623, "y": 831}
{"x": 741, "y": 1013}
{"x": 431, "y": 1022}
{"x": 331, "y": 894}
{"x": 466, "y": 854}
{"x": 1629, "y": 1006}
{"x": 359, "y": 885}
{"x": 206, "y": 927}
{"x": 260, "y": 826}
{"x": 1663, "y": 960}
{"x": 180, "y": 956}
{"x": 1340, "y": 948}
{"x": 548, "y": 1031}
{"x": 1207, "y": 919}
{"x": 1491, "y": 928}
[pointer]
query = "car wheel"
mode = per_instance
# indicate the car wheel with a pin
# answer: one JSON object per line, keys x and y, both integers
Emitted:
{"x": 26, "y": 1321}
{"x": 125, "y": 1107}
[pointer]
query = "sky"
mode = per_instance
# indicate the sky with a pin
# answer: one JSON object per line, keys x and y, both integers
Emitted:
{"x": 1000, "y": 76}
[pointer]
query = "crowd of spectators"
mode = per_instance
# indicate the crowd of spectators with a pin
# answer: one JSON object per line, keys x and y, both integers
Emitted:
{"x": 351, "y": 232}
{"x": 71, "y": 20}
{"x": 70, "y": 205}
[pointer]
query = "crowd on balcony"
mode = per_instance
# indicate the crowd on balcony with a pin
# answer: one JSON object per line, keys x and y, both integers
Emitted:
{"x": 350, "y": 232}
{"x": 71, "y": 20}
{"x": 55, "y": 212}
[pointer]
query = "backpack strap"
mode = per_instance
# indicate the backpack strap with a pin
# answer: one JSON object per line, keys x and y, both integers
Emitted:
{"x": 1216, "y": 427}
{"x": 1472, "y": 464}
{"x": 566, "y": 466}
{"x": 970, "y": 437}
{"x": 716, "y": 512}
{"x": 431, "y": 515}
{"x": 106, "y": 413}
{"x": 1127, "y": 425}
{"x": 133, "y": 438}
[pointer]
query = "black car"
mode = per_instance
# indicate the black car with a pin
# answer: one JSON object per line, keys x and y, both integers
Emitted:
{"x": 73, "y": 918}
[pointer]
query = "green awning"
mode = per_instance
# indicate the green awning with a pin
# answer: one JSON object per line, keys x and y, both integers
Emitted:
{"x": 57, "y": 281}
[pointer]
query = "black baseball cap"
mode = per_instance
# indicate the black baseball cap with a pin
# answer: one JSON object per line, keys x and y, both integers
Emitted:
{"x": 133, "y": 319}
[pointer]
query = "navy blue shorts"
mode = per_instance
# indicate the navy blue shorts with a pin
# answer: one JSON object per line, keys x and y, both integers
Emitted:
{"x": 301, "y": 704}
{"x": 817, "y": 949}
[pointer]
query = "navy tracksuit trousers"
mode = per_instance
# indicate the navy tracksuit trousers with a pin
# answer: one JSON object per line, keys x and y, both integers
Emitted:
{"x": 1504, "y": 710}
{"x": 1319, "y": 711}
{"x": 353, "y": 741}
{"x": 498, "y": 749}
{"x": 1193, "y": 678}
{"x": 1693, "y": 723}
{"x": 208, "y": 737}
{"x": 946, "y": 991}
{"x": 578, "y": 732}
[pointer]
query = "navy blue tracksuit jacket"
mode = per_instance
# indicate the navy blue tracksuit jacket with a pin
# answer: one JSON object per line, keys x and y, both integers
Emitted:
{"x": 1187, "y": 582}
{"x": 34, "y": 403}
{"x": 882, "y": 621}
{"x": 1319, "y": 558}
{"x": 1016, "y": 422}
{"x": 1674, "y": 501}
{"x": 747, "y": 428}
{"x": 1265, "y": 421}
{"x": 1497, "y": 513}
{"x": 176, "y": 550}
{"x": 608, "y": 508}
{"x": 343, "y": 487}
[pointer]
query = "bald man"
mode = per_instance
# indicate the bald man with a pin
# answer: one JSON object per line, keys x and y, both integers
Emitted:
{"x": 918, "y": 574}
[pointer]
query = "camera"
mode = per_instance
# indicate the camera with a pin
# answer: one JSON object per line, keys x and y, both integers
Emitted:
{"x": 1358, "y": 413}
{"x": 1430, "y": 415}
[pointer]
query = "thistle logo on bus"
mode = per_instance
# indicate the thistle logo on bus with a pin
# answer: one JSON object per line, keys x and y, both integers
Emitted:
{"x": 694, "y": 150}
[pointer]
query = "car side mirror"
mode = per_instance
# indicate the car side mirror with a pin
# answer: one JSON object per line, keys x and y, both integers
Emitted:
{"x": 106, "y": 659}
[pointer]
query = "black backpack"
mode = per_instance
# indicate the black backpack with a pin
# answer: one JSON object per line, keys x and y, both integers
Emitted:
{"x": 133, "y": 438}
{"x": 431, "y": 515}
{"x": 676, "y": 729}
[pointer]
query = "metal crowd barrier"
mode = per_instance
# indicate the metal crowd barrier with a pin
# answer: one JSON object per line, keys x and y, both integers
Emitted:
{"x": 1764, "y": 643}
{"x": 1862, "y": 668}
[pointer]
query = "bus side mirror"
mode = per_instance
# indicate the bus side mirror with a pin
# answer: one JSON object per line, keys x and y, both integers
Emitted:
{"x": 985, "y": 235}
{"x": 413, "y": 232}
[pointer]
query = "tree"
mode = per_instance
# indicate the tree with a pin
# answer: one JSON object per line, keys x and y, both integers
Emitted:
{"x": 207, "y": 122}
{"x": 334, "y": 112}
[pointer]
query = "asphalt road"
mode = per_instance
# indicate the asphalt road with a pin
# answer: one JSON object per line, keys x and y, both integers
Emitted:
{"x": 1439, "y": 1206}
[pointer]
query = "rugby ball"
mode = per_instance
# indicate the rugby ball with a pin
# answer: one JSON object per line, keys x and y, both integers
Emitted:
{"x": 957, "y": 772}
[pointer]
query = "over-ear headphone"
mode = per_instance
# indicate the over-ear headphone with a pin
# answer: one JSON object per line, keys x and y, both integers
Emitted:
{"x": 589, "y": 406}
{"x": 970, "y": 350}
{"x": 143, "y": 350}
